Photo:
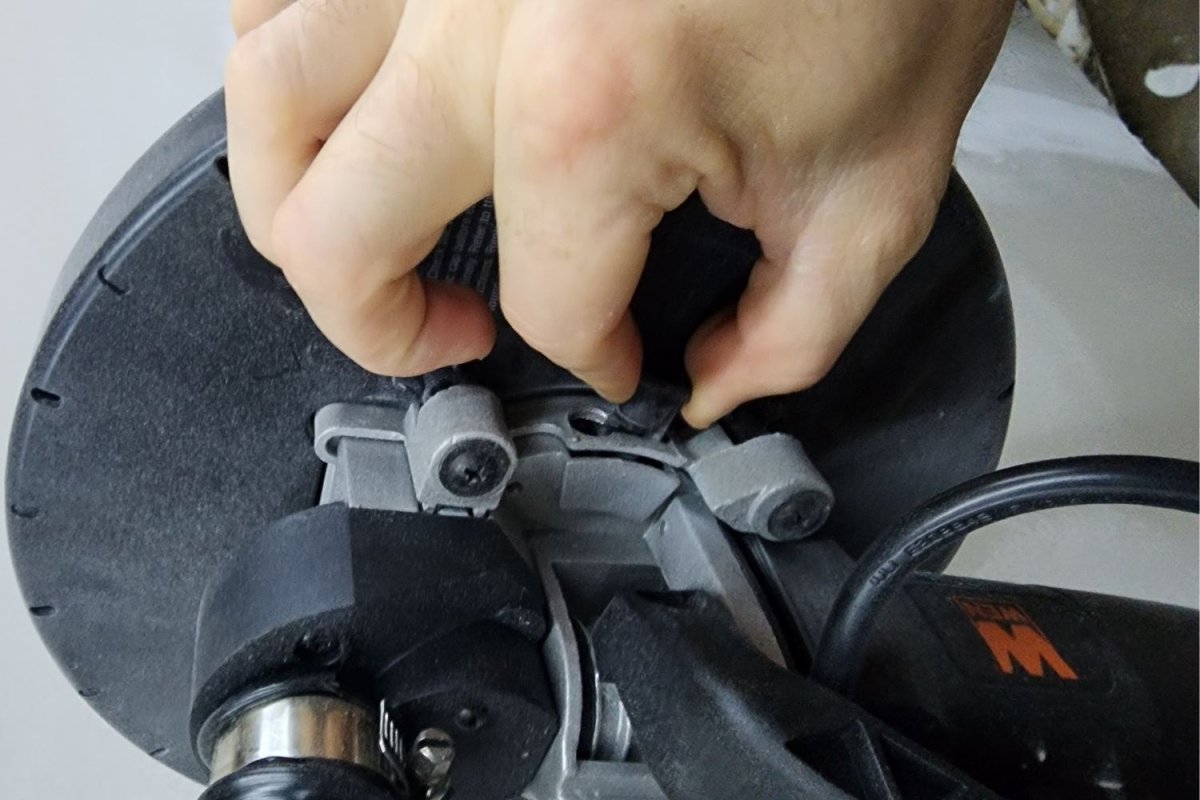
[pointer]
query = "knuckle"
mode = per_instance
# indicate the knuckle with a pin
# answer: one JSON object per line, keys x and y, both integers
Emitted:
{"x": 334, "y": 10}
{"x": 569, "y": 99}
{"x": 302, "y": 242}
{"x": 902, "y": 231}
{"x": 243, "y": 15}
{"x": 253, "y": 62}
{"x": 900, "y": 220}
{"x": 246, "y": 15}
{"x": 374, "y": 319}
{"x": 410, "y": 90}
{"x": 322, "y": 251}
{"x": 262, "y": 77}
{"x": 378, "y": 361}
{"x": 411, "y": 79}
{"x": 395, "y": 352}
{"x": 798, "y": 363}
{"x": 811, "y": 365}
{"x": 571, "y": 345}
{"x": 805, "y": 366}
{"x": 252, "y": 56}
{"x": 388, "y": 356}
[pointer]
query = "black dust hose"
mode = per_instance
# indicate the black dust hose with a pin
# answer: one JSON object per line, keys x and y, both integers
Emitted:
{"x": 951, "y": 516}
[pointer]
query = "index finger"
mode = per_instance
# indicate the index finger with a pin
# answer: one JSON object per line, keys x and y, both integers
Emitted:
{"x": 578, "y": 193}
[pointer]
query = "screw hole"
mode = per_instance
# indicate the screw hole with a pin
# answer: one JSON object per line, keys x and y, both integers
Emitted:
{"x": 159, "y": 752}
{"x": 45, "y": 398}
{"x": 471, "y": 719}
{"x": 43, "y": 611}
{"x": 89, "y": 693}
{"x": 590, "y": 422}
{"x": 320, "y": 649}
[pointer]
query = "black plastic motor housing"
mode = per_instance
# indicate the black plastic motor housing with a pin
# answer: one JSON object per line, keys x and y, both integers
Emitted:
{"x": 437, "y": 616}
{"x": 1042, "y": 692}
{"x": 1037, "y": 692}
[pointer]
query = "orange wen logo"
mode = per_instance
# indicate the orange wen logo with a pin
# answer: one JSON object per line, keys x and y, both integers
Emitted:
{"x": 1015, "y": 639}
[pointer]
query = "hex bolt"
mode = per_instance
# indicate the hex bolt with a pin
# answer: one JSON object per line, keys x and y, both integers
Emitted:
{"x": 474, "y": 467}
{"x": 320, "y": 648}
{"x": 430, "y": 760}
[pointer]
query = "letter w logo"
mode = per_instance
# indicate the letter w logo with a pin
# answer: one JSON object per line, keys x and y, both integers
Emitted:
{"x": 1014, "y": 638}
{"x": 1026, "y": 646}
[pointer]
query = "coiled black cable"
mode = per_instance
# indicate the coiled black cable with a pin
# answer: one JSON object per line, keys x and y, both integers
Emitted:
{"x": 949, "y": 517}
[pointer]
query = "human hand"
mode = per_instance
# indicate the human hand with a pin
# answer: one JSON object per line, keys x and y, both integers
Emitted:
{"x": 359, "y": 128}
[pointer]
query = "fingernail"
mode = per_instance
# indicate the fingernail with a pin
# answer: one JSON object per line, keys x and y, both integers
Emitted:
{"x": 708, "y": 404}
{"x": 693, "y": 413}
{"x": 617, "y": 396}
{"x": 610, "y": 384}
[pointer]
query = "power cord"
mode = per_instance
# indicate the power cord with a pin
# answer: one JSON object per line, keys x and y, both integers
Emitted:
{"x": 951, "y": 516}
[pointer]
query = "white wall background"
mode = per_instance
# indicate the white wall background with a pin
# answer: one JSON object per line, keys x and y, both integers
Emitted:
{"x": 1101, "y": 250}
{"x": 86, "y": 86}
{"x": 1100, "y": 245}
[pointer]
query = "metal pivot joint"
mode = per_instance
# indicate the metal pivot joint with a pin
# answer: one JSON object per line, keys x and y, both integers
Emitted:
{"x": 765, "y": 486}
{"x": 450, "y": 453}
{"x": 456, "y": 452}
